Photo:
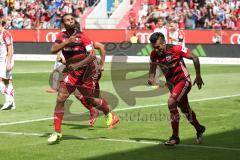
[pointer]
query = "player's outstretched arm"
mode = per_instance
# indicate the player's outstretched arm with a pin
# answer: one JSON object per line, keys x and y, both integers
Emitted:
{"x": 152, "y": 72}
{"x": 100, "y": 46}
{"x": 198, "y": 80}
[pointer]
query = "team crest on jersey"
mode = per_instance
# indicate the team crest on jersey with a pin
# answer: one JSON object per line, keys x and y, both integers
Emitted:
{"x": 168, "y": 58}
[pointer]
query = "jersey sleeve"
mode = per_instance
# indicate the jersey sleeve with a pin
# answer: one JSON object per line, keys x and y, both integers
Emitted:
{"x": 182, "y": 51}
{"x": 7, "y": 38}
{"x": 87, "y": 43}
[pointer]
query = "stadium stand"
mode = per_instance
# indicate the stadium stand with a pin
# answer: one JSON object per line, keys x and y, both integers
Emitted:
{"x": 190, "y": 14}
{"x": 41, "y": 14}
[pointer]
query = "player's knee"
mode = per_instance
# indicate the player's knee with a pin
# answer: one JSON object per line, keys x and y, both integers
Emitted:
{"x": 61, "y": 98}
{"x": 172, "y": 103}
{"x": 90, "y": 100}
{"x": 78, "y": 95}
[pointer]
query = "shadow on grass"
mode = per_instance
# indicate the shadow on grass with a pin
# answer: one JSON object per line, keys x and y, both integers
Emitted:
{"x": 237, "y": 100}
{"x": 218, "y": 146}
{"x": 76, "y": 126}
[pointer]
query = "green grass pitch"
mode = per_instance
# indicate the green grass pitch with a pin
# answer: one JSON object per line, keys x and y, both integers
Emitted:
{"x": 140, "y": 130}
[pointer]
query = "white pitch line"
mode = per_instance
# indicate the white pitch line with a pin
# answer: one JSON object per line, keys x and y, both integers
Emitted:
{"x": 22, "y": 133}
{"x": 126, "y": 141}
{"x": 26, "y": 121}
{"x": 32, "y": 72}
{"x": 122, "y": 109}
{"x": 163, "y": 104}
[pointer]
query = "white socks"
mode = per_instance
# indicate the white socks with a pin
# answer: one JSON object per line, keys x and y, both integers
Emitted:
{"x": 9, "y": 93}
{"x": 2, "y": 87}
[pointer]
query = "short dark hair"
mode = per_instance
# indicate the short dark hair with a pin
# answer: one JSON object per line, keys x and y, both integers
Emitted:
{"x": 2, "y": 23}
{"x": 155, "y": 36}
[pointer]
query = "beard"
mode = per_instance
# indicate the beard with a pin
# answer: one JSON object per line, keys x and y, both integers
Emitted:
{"x": 69, "y": 27}
{"x": 160, "y": 52}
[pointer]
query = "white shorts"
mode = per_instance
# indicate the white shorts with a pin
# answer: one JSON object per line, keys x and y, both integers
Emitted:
{"x": 3, "y": 68}
{"x": 59, "y": 66}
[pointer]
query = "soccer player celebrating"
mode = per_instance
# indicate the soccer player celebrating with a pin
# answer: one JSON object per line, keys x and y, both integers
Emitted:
{"x": 59, "y": 67}
{"x": 6, "y": 66}
{"x": 170, "y": 59}
{"x": 78, "y": 78}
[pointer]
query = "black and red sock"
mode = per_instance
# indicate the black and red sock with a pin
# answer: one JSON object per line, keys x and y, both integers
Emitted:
{"x": 191, "y": 116}
{"x": 103, "y": 106}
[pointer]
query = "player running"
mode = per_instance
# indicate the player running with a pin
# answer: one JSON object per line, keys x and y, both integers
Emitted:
{"x": 170, "y": 60}
{"x": 78, "y": 78}
{"x": 6, "y": 66}
{"x": 59, "y": 66}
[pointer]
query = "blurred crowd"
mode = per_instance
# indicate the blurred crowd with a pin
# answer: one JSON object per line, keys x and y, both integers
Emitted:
{"x": 190, "y": 14}
{"x": 41, "y": 14}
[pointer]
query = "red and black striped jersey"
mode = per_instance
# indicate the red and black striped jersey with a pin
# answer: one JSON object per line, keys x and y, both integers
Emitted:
{"x": 77, "y": 50}
{"x": 171, "y": 63}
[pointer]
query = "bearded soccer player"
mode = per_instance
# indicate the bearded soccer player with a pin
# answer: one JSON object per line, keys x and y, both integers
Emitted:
{"x": 170, "y": 59}
{"x": 60, "y": 66}
{"x": 78, "y": 78}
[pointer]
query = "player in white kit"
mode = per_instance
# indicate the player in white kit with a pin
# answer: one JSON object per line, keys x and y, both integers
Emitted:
{"x": 6, "y": 66}
{"x": 175, "y": 35}
{"x": 57, "y": 72}
{"x": 162, "y": 28}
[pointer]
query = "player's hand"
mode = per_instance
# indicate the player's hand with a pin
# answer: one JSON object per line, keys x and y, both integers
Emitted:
{"x": 150, "y": 82}
{"x": 71, "y": 40}
{"x": 59, "y": 58}
{"x": 70, "y": 67}
{"x": 8, "y": 67}
{"x": 198, "y": 80}
{"x": 101, "y": 67}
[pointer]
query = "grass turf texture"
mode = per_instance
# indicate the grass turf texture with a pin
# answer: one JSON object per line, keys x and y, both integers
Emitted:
{"x": 151, "y": 124}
